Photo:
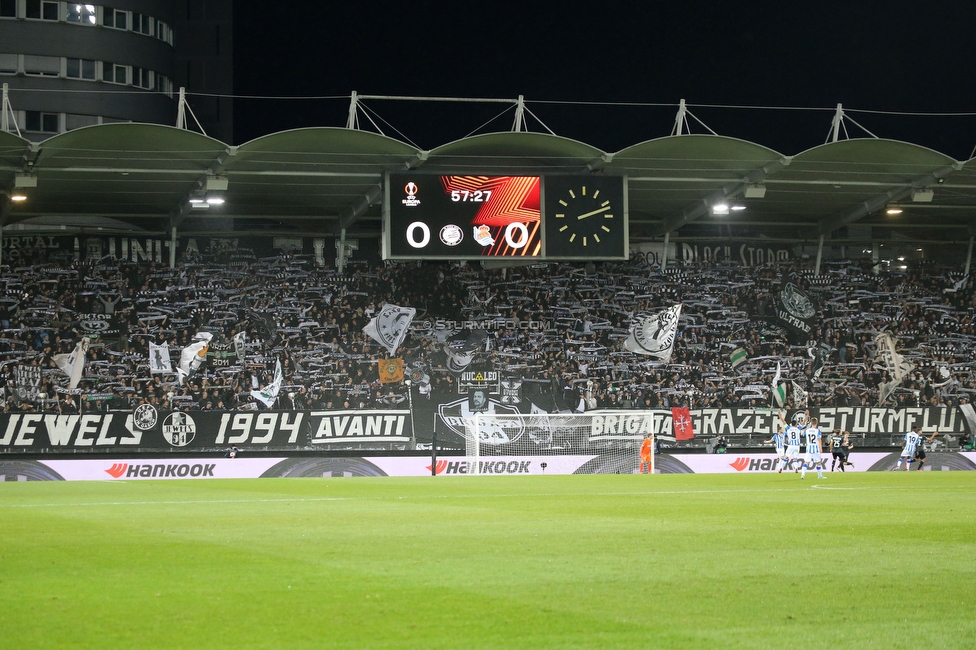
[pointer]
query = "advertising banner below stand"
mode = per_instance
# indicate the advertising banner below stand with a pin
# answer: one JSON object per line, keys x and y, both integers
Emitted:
{"x": 130, "y": 469}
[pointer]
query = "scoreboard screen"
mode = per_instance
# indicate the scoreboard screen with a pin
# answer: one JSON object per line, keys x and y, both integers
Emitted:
{"x": 430, "y": 216}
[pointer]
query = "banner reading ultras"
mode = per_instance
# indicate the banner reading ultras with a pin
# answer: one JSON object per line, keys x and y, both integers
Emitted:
{"x": 554, "y": 217}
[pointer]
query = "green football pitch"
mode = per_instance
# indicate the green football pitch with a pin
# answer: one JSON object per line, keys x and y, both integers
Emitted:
{"x": 880, "y": 559}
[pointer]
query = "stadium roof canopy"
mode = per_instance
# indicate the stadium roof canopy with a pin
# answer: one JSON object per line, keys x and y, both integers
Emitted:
{"x": 142, "y": 177}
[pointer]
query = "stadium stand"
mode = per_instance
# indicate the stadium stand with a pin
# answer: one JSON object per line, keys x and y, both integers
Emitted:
{"x": 556, "y": 326}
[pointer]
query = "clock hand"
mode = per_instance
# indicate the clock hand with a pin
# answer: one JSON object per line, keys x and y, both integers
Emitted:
{"x": 590, "y": 214}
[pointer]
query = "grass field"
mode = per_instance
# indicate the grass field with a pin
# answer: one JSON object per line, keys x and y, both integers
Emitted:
{"x": 677, "y": 561}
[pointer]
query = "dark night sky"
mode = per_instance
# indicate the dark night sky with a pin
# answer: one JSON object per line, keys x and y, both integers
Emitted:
{"x": 866, "y": 55}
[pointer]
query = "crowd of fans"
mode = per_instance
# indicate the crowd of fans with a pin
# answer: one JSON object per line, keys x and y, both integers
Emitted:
{"x": 555, "y": 325}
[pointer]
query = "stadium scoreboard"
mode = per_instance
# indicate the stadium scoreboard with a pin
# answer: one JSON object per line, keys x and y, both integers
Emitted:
{"x": 472, "y": 217}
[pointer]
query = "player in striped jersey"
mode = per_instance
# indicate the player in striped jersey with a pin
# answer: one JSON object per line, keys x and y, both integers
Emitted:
{"x": 794, "y": 434}
{"x": 912, "y": 438}
{"x": 779, "y": 441}
{"x": 920, "y": 451}
{"x": 836, "y": 451}
{"x": 813, "y": 457}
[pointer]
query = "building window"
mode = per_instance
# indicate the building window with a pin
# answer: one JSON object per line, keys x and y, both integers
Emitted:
{"x": 83, "y": 14}
{"x": 115, "y": 73}
{"x": 45, "y": 66}
{"x": 42, "y": 9}
{"x": 44, "y": 122}
{"x": 162, "y": 84}
{"x": 140, "y": 77}
{"x": 115, "y": 18}
{"x": 162, "y": 31}
{"x": 142, "y": 23}
{"x": 8, "y": 8}
{"x": 8, "y": 63}
{"x": 73, "y": 121}
{"x": 80, "y": 69}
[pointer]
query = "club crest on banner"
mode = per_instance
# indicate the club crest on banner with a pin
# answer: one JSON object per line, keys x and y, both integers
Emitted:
{"x": 179, "y": 429}
{"x": 144, "y": 417}
{"x": 458, "y": 417}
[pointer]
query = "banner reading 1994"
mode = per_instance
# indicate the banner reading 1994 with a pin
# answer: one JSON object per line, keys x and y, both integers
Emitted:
{"x": 146, "y": 429}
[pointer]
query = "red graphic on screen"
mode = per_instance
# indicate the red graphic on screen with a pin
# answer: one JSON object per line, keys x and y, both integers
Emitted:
{"x": 512, "y": 199}
{"x": 503, "y": 201}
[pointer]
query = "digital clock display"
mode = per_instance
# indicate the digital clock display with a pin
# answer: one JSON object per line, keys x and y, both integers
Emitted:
{"x": 469, "y": 217}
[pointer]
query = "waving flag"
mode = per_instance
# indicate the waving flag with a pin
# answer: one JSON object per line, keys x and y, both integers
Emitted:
{"x": 240, "y": 346}
{"x": 896, "y": 365}
{"x": 820, "y": 354}
{"x": 391, "y": 370}
{"x": 683, "y": 428}
{"x": 193, "y": 355}
{"x": 655, "y": 335}
{"x": 159, "y": 361}
{"x": 390, "y": 326}
{"x": 799, "y": 395}
{"x": 779, "y": 390}
{"x": 738, "y": 357}
{"x": 269, "y": 393}
{"x": 73, "y": 364}
{"x": 795, "y": 312}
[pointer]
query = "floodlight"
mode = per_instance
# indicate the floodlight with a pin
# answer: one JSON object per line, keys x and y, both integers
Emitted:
{"x": 25, "y": 180}
{"x": 755, "y": 191}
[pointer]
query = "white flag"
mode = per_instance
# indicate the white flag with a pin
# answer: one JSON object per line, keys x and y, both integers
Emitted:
{"x": 799, "y": 395}
{"x": 159, "y": 361}
{"x": 654, "y": 335}
{"x": 193, "y": 355}
{"x": 779, "y": 390}
{"x": 390, "y": 327}
{"x": 885, "y": 389}
{"x": 73, "y": 364}
{"x": 240, "y": 346}
{"x": 884, "y": 343}
{"x": 269, "y": 393}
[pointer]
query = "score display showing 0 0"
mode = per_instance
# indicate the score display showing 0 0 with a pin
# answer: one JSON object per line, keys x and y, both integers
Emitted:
{"x": 418, "y": 234}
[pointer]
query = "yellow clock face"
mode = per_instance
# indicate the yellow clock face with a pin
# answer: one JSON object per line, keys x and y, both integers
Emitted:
{"x": 584, "y": 218}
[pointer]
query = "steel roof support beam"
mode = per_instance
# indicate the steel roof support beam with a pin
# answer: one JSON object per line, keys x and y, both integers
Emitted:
{"x": 879, "y": 201}
{"x": 4, "y": 215}
{"x": 351, "y": 214}
{"x": 700, "y": 208}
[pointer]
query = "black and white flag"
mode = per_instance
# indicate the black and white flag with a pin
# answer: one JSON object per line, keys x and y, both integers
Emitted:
{"x": 795, "y": 312}
{"x": 159, "y": 361}
{"x": 390, "y": 326}
{"x": 193, "y": 355}
{"x": 73, "y": 364}
{"x": 654, "y": 335}
{"x": 819, "y": 354}
{"x": 896, "y": 364}
{"x": 28, "y": 382}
